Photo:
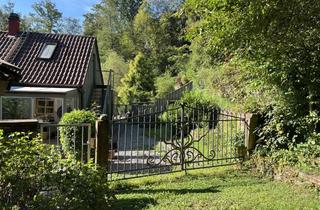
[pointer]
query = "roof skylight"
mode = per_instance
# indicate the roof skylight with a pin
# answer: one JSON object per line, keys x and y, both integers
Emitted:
{"x": 48, "y": 50}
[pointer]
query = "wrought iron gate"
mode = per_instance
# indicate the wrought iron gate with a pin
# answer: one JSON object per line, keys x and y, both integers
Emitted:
{"x": 174, "y": 139}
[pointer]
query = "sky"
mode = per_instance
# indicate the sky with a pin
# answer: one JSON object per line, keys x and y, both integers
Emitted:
{"x": 69, "y": 8}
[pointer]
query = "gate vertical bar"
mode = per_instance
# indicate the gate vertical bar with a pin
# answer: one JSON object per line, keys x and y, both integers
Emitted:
{"x": 182, "y": 155}
{"x": 88, "y": 143}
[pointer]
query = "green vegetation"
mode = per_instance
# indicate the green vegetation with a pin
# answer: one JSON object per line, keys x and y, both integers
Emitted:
{"x": 45, "y": 17}
{"x": 192, "y": 103}
{"x": 218, "y": 188}
{"x": 146, "y": 34}
{"x": 246, "y": 56}
{"x": 304, "y": 156}
{"x": 119, "y": 66}
{"x": 164, "y": 84}
{"x": 137, "y": 85}
{"x": 71, "y": 136}
{"x": 36, "y": 176}
{"x": 251, "y": 54}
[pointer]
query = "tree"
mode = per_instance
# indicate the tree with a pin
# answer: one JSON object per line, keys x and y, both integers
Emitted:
{"x": 46, "y": 16}
{"x": 161, "y": 38}
{"x": 111, "y": 22}
{"x": 158, "y": 8}
{"x": 70, "y": 26}
{"x": 130, "y": 28}
{"x": 129, "y": 9}
{"x": 90, "y": 24}
{"x": 5, "y": 11}
{"x": 119, "y": 66}
{"x": 279, "y": 37}
{"x": 138, "y": 83}
{"x": 146, "y": 31}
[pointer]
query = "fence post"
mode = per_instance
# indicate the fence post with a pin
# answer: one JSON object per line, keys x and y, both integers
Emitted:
{"x": 250, "y": 137}
{"x": 102, "y": 141}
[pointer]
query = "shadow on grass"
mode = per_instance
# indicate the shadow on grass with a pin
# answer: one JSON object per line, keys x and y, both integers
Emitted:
{"x": 141, "y": 203}
{"x": 174, "y": 191}
{"x": 132, "y": 203}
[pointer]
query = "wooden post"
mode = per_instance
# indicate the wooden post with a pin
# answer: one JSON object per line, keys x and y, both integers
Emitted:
{"x": 102, "y": 141}
{"x": 250, "y": 136}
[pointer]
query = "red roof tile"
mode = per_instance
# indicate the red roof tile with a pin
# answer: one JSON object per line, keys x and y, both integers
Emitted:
{"x": 67, "y": 67}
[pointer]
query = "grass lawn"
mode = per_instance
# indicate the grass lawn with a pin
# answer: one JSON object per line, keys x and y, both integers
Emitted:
{"x": 217, "y": 188}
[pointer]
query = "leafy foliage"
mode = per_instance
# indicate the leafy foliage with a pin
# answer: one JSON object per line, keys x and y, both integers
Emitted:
{"x": 47, "y": 16}
{"x": 34, "y": 175}
{"x": 131, "y": 28}
{"x": 197, "y": 99}
{"x": 71, "y": 136}
{"x": 165, "y": 84}
{"x": 137, "y": 85}
{"x": 119, "y": 66}
{"x": 192, "y": 103}
{"x": 261, "y": 56}
{"x": 240, "y": 81}
{"x": 302, "y": 156}
{"x": 70, "y": 25}
{"x": 5, "y": 10}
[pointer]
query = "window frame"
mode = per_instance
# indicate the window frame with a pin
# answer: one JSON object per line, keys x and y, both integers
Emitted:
{"x": 16, "y": 97}
{"x": 46, "y": 105}
{"x": 44, "y": 48}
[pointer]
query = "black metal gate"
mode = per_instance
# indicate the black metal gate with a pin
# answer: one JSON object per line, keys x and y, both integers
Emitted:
{"x": 174, "y": 139}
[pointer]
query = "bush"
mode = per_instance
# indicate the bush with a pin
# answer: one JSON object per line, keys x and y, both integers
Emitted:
{"x": 138, "y": 84}
{"x": 117, "y": 63}
{"x": 199, "y": 110}
{"x": 165, "y": 84}
{"x": 190, "y": 100}
{"x": 71, "y": 135}
{"x": 284, "y": 128}
{"x": 303, "y": 156}
{"x": 34, "y": 176}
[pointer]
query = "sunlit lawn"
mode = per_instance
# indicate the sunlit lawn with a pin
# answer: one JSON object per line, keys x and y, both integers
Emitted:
{"x": 217, "y": 188}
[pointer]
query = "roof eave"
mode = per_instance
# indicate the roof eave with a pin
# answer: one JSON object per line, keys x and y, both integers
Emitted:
{"x": 46, "y": 85}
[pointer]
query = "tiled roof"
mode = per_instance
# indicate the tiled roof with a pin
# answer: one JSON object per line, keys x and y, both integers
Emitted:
{"x": 67, "y": 67}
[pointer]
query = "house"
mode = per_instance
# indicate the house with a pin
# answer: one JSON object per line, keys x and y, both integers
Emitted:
{"x": 44, "y": 75}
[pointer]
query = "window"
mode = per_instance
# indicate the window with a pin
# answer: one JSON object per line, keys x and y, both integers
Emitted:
{"x": 44, "y": 109}
{"x": 16, "y": 108}
{"x": 48, "y": 50}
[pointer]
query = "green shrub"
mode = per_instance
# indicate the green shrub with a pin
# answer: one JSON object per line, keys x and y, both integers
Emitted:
{"x": 24, "y": 164}
{"x": 34, "y": 176}
{"x": 71, "y": 136}
{"x": 304, "y": 156}
{"x": 138, "y": 84}
{"x": 117, "y": 63}
{"x": 193, "y": 102}
{"x": 73, "y": 185}
{"x": 198, "y": 111}
{"x": 165, "y": 84}
{"x": 284, "y": 128}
